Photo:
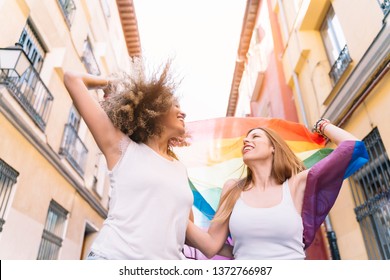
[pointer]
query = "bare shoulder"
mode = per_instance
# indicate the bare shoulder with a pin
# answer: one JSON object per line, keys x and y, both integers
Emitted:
{"x": 229, "y": 184}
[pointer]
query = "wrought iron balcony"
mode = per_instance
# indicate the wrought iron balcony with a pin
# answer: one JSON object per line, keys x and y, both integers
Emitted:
{"x": 29, "y": 90}
{"x": 340, "y": 65}
{"x": 74, "y": 149}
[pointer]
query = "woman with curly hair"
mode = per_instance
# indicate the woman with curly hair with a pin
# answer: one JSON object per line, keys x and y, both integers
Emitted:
{"x": 135, "y": 128}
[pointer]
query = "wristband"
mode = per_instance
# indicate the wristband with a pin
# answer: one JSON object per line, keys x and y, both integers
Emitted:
{"x": 320, "y": 125}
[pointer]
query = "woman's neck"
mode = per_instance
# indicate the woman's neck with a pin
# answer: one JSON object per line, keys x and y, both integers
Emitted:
{"x": 160, "y": 146}
{"x": 261, "y": 175}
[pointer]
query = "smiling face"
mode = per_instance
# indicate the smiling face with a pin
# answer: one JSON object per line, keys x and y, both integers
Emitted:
{"x": 173, "y": 120}
{"x": 257, "y": 146}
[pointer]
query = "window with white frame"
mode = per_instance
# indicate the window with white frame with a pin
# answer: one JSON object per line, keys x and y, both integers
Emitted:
{"x": 8, "y": 177}
{"x": 89, "y": 59}
{"x": 68, "y": 8}
{"x": 106, "y": 8}
{"x": 32, "y": 45}
{"x": 53, "y": 232}
{"x": 335, "y": 45}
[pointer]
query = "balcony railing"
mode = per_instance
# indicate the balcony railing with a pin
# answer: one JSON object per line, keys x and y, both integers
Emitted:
{"x": 340, "y": 65}
{"x": 31, "y": 93}
{"x": 74, "y": 149}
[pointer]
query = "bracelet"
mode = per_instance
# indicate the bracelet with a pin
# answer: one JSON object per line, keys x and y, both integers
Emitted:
{"x": 320, "y": 125}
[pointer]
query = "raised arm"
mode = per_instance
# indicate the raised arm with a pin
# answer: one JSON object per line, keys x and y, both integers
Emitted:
{"x": 105, "y": 134}
{"x": 333, "y": 133}
{"x": 213, "y": 241}
{"x": 336, "y": 135}
{"x": 323, "y": 181}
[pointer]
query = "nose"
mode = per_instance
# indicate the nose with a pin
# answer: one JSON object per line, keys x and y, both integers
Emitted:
{"x": 184, "y": 115}
{"x": 245, "y": 140}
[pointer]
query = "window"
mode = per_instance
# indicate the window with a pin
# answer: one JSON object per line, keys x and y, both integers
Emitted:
{"x": 371, "y": 193}
{"x": 68, "y": 9}
{"x": 385, "y": 6}
{"x": 8, "y": 177}
{"x": 53, "y": 232}
{"x": 106, "y": 8}
{"x": 89, "y": 59}
{"x": 335, "y": 46}
{"x": 32, "y": 46}
{"x": 100, "y": 175}
{"x": 74, "y": 118}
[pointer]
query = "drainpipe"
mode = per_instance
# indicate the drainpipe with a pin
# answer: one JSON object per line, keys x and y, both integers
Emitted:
{"x": 331, "y": 235}
{"x": 294, "y": 74}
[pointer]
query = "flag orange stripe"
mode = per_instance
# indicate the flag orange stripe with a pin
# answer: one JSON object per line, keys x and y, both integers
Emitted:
{"x": 232, "y": 127}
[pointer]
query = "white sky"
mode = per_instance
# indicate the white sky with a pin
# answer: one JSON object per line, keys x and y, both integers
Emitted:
{"x": 203, "y": 37}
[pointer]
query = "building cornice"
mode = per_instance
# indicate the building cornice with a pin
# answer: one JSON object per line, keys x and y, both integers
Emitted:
{"x": 130, "y": 26}
{"x": 248, "y": 25}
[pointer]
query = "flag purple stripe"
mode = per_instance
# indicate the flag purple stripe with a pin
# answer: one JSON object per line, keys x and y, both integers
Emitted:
{"x": 324, "y": 182}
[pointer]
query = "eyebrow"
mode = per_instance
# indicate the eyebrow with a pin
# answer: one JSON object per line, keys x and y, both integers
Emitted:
{"x": 252, "y": 134}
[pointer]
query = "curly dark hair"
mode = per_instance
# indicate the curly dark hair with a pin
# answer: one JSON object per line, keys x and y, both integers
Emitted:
{"x": 135, "y": 104}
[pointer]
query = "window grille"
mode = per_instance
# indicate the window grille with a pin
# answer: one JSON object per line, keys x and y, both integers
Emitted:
{"x": 371, "y": 193}
{"x": 32, "y": 46}
{"x": 335, "y": 46}
{"x": 72, "y": 147}
{"x": 8, "y": 177}
{"x": 53, "y": 232}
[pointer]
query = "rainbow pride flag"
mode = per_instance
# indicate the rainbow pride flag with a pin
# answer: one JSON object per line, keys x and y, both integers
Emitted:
{"x": 214, "y": 155}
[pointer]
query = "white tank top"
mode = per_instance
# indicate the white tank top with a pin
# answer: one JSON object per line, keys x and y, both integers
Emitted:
{"x": 267, "y": 233}
{"x": 148, "y": 210}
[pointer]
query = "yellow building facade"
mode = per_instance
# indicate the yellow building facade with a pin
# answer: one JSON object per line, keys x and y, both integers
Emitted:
{"x": 54, "y": 192}
{"x": 336, "y": 60}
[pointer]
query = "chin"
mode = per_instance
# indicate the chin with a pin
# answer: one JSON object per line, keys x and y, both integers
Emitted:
{"x": 246, "y": 159}
{"x": 182, "y": 129}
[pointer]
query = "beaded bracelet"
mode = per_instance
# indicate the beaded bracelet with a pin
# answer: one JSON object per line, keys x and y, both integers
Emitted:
{"x": 320, "y": 125}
